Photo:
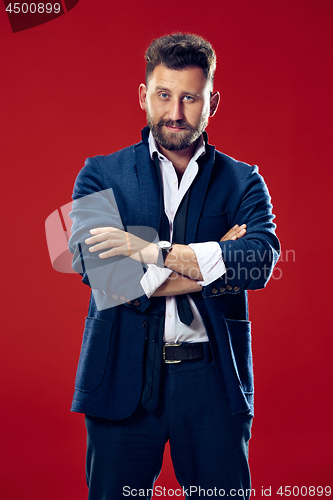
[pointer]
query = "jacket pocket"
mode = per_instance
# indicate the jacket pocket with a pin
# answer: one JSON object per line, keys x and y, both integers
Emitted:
{"x": 212, "y": 227}
{"x": 94, "y": 354}
{"x": 239, "y": 332}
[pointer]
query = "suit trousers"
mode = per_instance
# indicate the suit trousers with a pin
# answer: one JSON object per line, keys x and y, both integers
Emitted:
{"x": 209, "y": 445}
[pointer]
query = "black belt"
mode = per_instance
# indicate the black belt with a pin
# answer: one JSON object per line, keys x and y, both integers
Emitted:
{"x": 175, "y": 353}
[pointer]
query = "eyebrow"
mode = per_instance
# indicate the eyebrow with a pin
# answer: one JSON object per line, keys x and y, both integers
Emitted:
{"x": 158, "y": 87}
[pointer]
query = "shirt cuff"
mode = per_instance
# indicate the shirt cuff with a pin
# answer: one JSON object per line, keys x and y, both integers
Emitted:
{"x": 210, "y": 261}
{"x": 154, "y": 278}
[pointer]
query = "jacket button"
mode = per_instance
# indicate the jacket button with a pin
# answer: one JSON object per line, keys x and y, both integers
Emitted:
{"x": 144, "y": 323}
{"x": 222, "y": 289}
{"x": 115, "y": 296}
{"x": 129, "y": 302}
{"x": 122, "y": 298}
{"x": 236, "y": 288}
{"x": 137, "y": 303}
{"x": 229, "y": 288}
{"x": 214, "y": 290}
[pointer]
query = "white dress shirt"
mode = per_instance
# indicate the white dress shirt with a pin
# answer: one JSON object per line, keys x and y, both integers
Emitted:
{"x": 209, "y": 255}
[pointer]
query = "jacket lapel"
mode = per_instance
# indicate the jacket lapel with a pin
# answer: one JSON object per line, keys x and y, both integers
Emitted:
{"x": 148, "y": 185}
{"x": 198, "y": 193}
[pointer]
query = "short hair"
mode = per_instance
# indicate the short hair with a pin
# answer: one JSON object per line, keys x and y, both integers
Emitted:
{"x": 180, "y": 50}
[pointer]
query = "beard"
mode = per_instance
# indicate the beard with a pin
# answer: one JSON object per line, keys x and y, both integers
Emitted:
{"x": 178, "y": 140}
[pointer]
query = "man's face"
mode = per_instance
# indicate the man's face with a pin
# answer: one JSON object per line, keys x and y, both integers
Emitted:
{"x": 178, "y": 104}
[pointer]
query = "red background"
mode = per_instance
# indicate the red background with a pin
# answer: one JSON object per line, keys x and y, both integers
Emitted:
{"x": 68, "y": 91}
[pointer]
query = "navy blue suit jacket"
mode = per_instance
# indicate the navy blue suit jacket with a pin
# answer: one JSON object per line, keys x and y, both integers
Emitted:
{"x": 224, "y": 193}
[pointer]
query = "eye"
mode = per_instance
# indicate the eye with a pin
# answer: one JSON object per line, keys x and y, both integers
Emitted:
{"x": 188, "y": 98}
{"x": 163, "y": 95}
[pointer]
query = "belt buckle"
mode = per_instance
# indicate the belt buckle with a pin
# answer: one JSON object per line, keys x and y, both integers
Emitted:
{"x": 170, "y": 361}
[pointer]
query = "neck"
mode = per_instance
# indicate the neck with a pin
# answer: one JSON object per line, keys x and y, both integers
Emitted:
{"x": 179, "y": 158}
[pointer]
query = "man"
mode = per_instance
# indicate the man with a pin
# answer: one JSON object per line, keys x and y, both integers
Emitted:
{"x": 166, "y": 353}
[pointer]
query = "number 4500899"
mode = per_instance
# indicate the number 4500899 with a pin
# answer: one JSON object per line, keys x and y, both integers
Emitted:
{"x": 304, "y": 491}
{"x": 33, "y": 8}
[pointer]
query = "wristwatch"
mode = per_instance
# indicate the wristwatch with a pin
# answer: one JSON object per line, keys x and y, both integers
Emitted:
{"x": 165, "y": 247}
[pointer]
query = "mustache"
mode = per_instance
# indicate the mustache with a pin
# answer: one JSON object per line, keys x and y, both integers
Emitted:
{"x": 178, "y": 123}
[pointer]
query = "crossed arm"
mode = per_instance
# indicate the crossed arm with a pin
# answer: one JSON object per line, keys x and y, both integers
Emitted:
{"x": 181, "y": 259}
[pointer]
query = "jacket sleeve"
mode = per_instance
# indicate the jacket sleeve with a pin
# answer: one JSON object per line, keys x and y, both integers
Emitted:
{"x": 249, "y": 260}
{"x": 115, "y": 280}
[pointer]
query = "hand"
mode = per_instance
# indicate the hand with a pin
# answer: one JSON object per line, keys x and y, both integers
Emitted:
{"x": 118, "y": 242}
{"x": 234, "y": 233}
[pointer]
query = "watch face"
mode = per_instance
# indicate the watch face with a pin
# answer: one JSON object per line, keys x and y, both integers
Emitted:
{"x": 164, "y": 245}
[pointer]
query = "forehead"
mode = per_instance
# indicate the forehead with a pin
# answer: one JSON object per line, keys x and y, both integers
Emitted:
{"x": 189, "y": 80}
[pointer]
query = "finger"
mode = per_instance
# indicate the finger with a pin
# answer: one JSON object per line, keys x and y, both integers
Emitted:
{"x": 109, "y": 253}
{"x": 233, "y": 229}
{"x": 102, "y": 246}
{"x": 234, "y": 233}
{"x": 104, "y": 237}
{"x": 106, "y": 244}
{"x": 239, "y": 234}
{"x": 230, "y": 234}
{"x": 96, "y": 239}
{"x": 99, "y": 230}
{"x": 237, "y": 230}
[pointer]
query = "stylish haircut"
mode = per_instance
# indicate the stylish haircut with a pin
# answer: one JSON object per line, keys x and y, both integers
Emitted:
{"x": 180, "y": 50}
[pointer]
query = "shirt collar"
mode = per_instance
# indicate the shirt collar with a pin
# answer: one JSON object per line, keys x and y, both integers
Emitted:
{"x": 199, "y": 151}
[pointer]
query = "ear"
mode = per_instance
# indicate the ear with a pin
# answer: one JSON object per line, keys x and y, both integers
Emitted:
{"x": 214, "y": 102}
{"x": 142, "y": 96}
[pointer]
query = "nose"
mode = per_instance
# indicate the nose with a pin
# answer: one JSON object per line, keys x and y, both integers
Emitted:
{"x": 176, "y": 110}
